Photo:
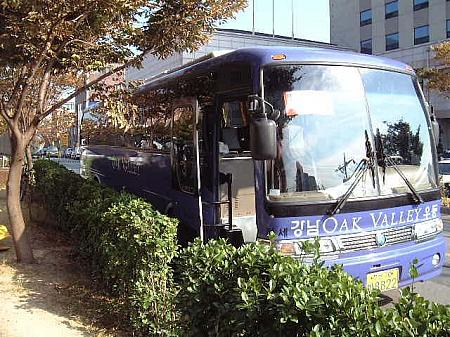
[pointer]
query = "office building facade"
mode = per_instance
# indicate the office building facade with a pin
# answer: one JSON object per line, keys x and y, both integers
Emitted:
{"x": 404, "y": 30}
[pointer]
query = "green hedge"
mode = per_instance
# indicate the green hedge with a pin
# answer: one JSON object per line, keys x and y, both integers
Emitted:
{"x": 216, "y": 289}
{"x": 254, "y": 291}
{"x": 128, "y": 243}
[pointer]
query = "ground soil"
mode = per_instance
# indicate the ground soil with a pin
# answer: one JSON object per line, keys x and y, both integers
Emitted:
{"x": 56, "y": 296}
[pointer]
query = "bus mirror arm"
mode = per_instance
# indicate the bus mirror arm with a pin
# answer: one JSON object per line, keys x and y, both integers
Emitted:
{"x": 256, "y": 105}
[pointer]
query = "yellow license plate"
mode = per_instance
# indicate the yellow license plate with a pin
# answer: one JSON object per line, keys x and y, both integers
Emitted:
{"x": 383, "y": 280}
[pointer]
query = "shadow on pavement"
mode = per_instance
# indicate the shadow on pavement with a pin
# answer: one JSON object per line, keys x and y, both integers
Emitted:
{"x": 58, "y": 284}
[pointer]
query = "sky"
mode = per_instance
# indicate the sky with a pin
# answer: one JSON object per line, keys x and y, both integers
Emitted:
{"x": 311, "y": 18}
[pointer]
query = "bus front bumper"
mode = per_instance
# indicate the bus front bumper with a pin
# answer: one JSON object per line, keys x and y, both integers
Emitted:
{"x": 361, "y": 263}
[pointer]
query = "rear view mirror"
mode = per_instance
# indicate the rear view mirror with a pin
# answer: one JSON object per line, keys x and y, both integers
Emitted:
{"x": 434, "y": 123}
{"x": 263, "y": 131}
{"x": 435, "y": 130}
{"x": 263, "y": 139}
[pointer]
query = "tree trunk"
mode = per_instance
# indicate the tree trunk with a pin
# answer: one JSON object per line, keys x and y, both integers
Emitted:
{"x": 22, "y": 245}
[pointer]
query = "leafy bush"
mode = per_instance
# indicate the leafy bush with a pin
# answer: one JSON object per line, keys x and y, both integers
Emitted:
{"x": 218, "y": 290}
{"x": 254, "y": 291}
{"x": 128, "y": 243}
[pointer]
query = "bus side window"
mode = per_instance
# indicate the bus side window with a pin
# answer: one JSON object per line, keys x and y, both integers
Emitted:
{"x": 183, "y": 151}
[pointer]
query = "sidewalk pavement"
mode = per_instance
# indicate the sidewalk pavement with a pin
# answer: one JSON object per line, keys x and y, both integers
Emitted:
{"x": 29, "y": 303}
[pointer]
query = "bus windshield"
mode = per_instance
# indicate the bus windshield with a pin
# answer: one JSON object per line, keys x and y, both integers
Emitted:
{"x": 330, "y": 118}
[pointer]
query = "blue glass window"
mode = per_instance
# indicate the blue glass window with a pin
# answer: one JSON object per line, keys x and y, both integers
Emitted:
{"x": 421, "y": 34}
{"x": 365, "y": 17}
{"x": 366, "y": 46}
{"x": 419, "y": 4}
{"x": 448, "y": 28}
{"x": 391, "y": 9}
{"x": 391, "y": 41}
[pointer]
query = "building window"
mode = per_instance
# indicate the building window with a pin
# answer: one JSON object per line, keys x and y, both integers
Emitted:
{"x": 421, "y": 35}
{"x": 391, "y": 9}
{"x": 419, "y": 4}
{"x": 391, "y": 41}
{"x": 366, "y": 46}
{"x": 365, "y": 17}
{"x": 448, "y": 28}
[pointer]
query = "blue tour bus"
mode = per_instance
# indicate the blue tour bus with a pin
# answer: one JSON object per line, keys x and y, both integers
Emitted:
{"x": 303, "y": 142}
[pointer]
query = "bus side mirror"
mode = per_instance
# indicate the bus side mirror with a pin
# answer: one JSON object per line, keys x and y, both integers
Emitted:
{"x": 263, "y": 135}
{"x": 435, "y": 130}
{"x": 434, "y": 123}
{"x": 263, "y": 138}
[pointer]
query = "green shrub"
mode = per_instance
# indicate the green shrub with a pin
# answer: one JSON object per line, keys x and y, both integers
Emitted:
{"x": 254, "y": 291}
{"x": 218, "y": 290}
{"x": 128, "y": 243}
{"x": 415, "y": 316}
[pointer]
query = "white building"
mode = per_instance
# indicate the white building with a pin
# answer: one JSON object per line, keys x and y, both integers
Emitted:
{"x": 403, "y": 30}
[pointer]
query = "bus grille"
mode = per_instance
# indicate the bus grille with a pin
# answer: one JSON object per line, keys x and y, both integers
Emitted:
{"x": 369, "y": 240}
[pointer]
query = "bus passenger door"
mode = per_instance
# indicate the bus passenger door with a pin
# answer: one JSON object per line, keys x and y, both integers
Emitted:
{"x": 185, "y": 160}
{"x": 235, "y": 160}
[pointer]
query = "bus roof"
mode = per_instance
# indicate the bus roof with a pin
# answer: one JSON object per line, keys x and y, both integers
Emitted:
{"x": 260, "y": 56}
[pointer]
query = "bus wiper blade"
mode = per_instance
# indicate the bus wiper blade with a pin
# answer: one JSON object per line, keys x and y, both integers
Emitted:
{"x": 363, "y": 166}
{"x": 360, "y": 170}
{"x": 416, "y": 196}
{"x": 384, "y": 160}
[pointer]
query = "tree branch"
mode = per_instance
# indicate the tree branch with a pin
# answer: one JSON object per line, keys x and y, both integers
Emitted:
{"x": 4, "y": 114}
{"x": 43, "y": 87}
{"x": 19, "y": 81}
{"x": 31, "y": 74}
{"x": 58, "y": 105}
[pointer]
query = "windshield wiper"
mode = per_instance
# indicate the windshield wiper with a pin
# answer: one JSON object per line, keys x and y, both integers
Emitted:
{"x": 363, "y": 166}
{"x": 384, "y": 160}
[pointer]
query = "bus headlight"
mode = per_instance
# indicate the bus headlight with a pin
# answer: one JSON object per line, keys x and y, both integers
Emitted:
{"x": 325, "y": 246}
{"x": 286, "y": 248}
{"x": 428, "y": 228}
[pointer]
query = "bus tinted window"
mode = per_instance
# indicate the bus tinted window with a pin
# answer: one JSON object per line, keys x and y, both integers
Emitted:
{"x": 183, "y": 147}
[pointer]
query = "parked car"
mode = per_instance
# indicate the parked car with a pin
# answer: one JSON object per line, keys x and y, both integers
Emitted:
{"x": 445, "y": 155}
{"x": 52, "y": 151}
{"x": 444, "y": 175}
{"x": 39, "y": 153}
{"x": 68, "y": 152}
{"x": 76, "y": 153}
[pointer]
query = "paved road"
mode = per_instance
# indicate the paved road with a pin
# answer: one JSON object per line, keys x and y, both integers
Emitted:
{"x": 71, "y": 164}
{"x": 437, "y": 289}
